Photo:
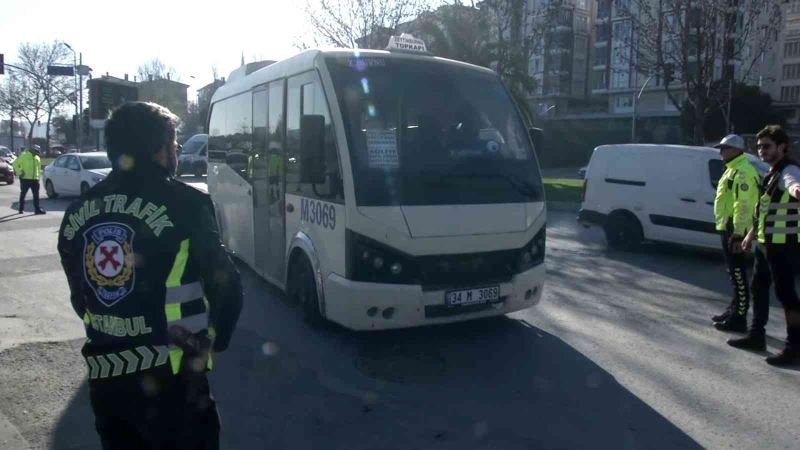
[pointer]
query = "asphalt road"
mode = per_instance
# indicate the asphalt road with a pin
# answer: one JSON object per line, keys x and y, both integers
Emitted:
{"x": 620, "y": 354}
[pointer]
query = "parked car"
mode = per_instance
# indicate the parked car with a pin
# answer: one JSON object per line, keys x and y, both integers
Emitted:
{"x": 194, "y": 157}
{"x": 6, "y": 154}
{"x": 76, "y": 173}
{"x": 6, "y": 171}
{"x": 57, "y": 150}
{"x": 639, "y": 192}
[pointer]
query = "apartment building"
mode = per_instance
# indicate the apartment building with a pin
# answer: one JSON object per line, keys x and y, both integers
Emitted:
{"x": 786, "y": 87}
{"x": 560, "y": 65}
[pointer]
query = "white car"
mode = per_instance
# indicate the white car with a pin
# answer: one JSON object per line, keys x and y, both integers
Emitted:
{"x": 649, "y": 192}
{"x": 75, "y": 173}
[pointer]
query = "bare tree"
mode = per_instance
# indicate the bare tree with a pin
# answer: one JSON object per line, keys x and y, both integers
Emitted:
{"x": 51, "y": 91}
{"x": 156, "y": 70}
{"x": 520, "y": 29}
{"x": 455, "y": 31}
{"x": 358, "y": 23}
{"x": 12, "y": 100}
{"x": 693, "y": 44}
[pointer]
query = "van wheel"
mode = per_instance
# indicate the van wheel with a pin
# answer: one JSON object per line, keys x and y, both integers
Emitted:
{"x": 303, "y": 290}
{"x": 623, "y": 231}
{"x": 50, "y": 190}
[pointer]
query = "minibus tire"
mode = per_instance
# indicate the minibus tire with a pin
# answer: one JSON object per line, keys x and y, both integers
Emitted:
{"x": 304, "y": 290}
{"x": 623, "y": 231}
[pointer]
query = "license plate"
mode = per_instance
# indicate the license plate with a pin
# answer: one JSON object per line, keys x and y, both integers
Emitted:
{"x": 472, "y": 296}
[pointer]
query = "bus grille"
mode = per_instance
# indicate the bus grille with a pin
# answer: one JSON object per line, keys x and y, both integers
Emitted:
{"x": 465, "y": 270}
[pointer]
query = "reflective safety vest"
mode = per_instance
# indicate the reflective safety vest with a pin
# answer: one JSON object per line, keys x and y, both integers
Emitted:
{"x": 737, "y": 196}
{"x": 186, "y": 305}
{"x": 28, "y": 166}
{"x": 778, "y": 212}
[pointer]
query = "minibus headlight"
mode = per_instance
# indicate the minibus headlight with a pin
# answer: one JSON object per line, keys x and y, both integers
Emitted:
{"x": 533, "y": 253}
{"x": 373, "y": 262}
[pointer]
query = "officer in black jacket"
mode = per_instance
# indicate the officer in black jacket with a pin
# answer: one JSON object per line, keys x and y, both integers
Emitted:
{"x": 154, "y": 286}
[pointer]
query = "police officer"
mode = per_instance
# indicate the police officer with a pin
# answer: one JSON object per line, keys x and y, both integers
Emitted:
{"x": 778, "y": 248}
{"x": 156, "y": 290}
{"x": 28, "y": 167}
{"x": 734, "y": 208}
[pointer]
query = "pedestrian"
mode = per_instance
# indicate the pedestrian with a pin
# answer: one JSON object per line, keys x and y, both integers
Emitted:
{"x": 28, "y": 167}
{"x": 156, "y": 290}
{"x": 734, "y": 208}
{"x": 778, "y": 247}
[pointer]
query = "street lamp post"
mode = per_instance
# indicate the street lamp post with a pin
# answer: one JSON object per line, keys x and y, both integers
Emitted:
{"x": 635, "y": 105}
{"x": 78, "y": 131}
{"x": 79, "y": 71}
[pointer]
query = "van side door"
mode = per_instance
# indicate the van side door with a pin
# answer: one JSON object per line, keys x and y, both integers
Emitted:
{"x": 680, "y": 211}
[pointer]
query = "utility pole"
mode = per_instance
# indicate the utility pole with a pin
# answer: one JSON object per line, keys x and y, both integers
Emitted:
{"x": 728, "y": 121}
{"x": 635, "y": 104}
{"x": 80, "y": 101}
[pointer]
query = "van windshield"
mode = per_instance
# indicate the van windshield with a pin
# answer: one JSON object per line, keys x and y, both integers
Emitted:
{"x": 194, "y": 145}
{"x": 428, "y": 133}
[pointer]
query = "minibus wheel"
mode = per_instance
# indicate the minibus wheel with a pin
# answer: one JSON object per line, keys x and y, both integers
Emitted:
{"x": 303, "y": 290}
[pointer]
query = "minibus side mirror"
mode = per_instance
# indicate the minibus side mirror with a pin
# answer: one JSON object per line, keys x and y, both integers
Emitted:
{"x": 312, "y": 149}
{"x": 537, "y": 137}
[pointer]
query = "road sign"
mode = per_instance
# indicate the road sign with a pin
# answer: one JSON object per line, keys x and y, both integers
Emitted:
{"x": 106, "y": 95}
{"x": 66, "y": 71}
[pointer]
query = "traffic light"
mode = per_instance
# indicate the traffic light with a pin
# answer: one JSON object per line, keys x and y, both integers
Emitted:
{"x": 668, "y": 74}
{"x": 2, "y": 65}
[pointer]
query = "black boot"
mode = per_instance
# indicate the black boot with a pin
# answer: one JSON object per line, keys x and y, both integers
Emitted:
{"x": 753, "y": 341}
{"x": 733, "y": 323}
{"x": 724, "y": 316}
{"x": 787, "y": 357}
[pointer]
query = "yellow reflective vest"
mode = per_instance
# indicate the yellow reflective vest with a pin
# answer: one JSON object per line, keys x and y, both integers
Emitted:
{"x": 737, "y": 196}
{"x": 28, "y": 166}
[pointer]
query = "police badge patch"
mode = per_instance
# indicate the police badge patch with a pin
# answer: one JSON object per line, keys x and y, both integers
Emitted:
{"x": 744, "y": 186}
{"x": 108, "y": 261}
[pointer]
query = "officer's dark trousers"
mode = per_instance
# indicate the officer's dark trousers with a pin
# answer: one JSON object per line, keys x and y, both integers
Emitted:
{"x": 778, "y": 263}
{"x": 155, "y": 410}
{"x": 24, "y": 186}
{"x": 737, "y": 271}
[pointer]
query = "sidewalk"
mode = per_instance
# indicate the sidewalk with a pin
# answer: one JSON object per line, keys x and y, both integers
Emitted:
{"x": 10, "y": 438}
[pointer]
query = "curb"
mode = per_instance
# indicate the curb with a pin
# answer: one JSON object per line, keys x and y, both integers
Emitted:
{"x": 564, "y": 206}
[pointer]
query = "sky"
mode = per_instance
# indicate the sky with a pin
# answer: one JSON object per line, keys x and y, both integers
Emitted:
{"x": 191, "y": 36}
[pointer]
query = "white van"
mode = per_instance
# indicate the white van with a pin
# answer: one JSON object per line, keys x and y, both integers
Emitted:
{"x": 654, "y": 192}
{"x": 194, "y": 156}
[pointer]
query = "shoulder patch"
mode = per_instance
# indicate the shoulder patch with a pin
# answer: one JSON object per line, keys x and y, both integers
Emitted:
{"x": 744, "y": 187}
{"x": 108, "y": 261}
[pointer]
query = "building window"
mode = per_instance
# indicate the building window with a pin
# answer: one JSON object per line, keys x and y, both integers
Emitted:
{"x": 581, "y": 24}
{"x": 790, "y": 93}
{"x": 581, "y": 4}
{"x": 791, "y": 71}
{"x": 600, "y": 56}
{"x": 619, "y": 79}
{"x": 623, "y": 104}
{"x": 599, "y": 79}
{"x": 580, "y": 46}
{"x": 791, "y": 49}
